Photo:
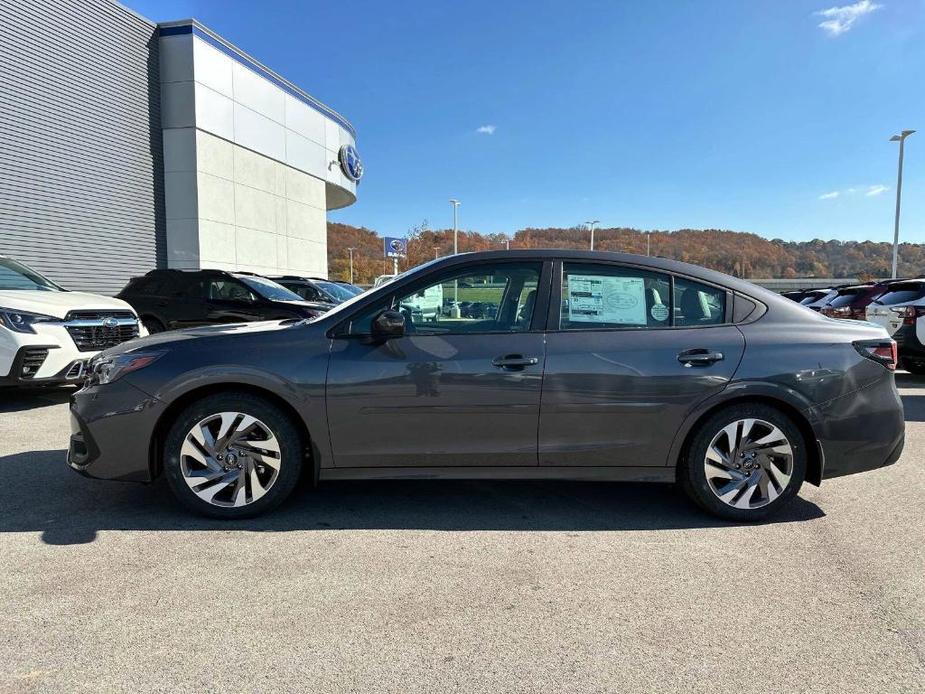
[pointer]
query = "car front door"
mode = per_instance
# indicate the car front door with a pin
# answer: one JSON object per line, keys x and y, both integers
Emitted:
{"x": 453, "y": 391}
{"x": 633, "y": 352}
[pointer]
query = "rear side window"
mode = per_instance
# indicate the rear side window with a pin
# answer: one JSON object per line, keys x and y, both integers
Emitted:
{"x": 901, "y": 293}
{"x": 845, "y": 297}
{"x": 596, "y": 297}
{"x": 698, "y": 304}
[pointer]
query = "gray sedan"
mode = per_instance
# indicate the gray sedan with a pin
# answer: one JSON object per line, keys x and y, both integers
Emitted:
{"x": 577, "y": 365}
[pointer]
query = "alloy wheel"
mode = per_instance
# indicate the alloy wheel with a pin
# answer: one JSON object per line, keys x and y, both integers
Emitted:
{"x": 230, "y": 459}
{"x": 749, "y": 463}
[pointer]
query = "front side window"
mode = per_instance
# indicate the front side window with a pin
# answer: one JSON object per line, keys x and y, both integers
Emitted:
{"x": 268, "y": 289}
{"x": 600, "y": 297}
{"x": 497, "y": 298}
{"x": 227, "y": 290}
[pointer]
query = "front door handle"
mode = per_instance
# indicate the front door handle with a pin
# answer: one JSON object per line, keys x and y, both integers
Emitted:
{"x": 514, "y": 362}
{"x": 699, "y": 357}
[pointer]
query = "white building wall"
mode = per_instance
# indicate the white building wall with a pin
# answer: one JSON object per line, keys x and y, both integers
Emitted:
{"x": 250, "y": 169}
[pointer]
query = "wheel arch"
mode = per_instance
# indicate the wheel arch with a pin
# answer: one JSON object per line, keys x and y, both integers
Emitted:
{"x": 814, "y": 456}
{"x": 167, "y": 417}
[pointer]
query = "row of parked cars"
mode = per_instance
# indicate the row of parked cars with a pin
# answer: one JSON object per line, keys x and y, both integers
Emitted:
{"x": 897, "y": 305}
{"x": 48, "y": 334}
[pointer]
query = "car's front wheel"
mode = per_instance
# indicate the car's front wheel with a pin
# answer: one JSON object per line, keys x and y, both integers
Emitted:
{"x": 745, "y": 462}
{"x": 232, "y": 455}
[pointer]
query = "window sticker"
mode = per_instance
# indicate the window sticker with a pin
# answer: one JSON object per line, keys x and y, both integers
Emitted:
{"x": 659, "y": 312}
{"x": 606, "y": 299}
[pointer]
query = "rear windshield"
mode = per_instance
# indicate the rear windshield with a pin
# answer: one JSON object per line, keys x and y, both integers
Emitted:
{"x": 901, "y": 293}
{"x": 846, "y": 296}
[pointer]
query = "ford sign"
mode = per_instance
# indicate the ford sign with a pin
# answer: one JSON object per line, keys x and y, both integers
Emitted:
{"x": 350, "y": 163}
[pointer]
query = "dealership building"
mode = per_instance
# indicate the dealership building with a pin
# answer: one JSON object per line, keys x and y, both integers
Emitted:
{"x": 127, "y": 145}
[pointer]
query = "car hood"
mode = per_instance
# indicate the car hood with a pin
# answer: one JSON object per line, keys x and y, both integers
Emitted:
{"x": 58, "y": 304}
{"x": 170, "y": 338}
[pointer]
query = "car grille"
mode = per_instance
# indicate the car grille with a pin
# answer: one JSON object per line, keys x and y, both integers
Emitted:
{"x": 32, "y": 360}
{"x": 96, "y": 330}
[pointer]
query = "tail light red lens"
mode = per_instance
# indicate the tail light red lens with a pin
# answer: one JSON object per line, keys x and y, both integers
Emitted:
{"x": 881, "y": 351}
{"x": 910, "y": 313}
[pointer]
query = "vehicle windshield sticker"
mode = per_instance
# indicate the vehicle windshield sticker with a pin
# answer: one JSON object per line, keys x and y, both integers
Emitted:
{"x": 605, "y": 299}
{"x": 659, "y": 312}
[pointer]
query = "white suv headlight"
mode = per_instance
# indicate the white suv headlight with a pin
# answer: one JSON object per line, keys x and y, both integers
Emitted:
{"x": 22, "y": 321}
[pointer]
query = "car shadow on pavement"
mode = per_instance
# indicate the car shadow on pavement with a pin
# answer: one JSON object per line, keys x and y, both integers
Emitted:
{"x": 913, "y": 402}
{"x": 44, "y": 496}
{"x": 19, "y": 400}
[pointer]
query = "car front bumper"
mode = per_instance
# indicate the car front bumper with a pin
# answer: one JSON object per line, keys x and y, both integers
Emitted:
{"x": 112, "y": 428}
{"x": 862, "y": 431}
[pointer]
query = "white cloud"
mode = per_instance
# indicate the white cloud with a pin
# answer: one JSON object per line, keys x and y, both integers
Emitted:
{"x": 876, "y": 190}
{"x": 486, "y": 129}
{"x": 869, "y": 191}
{"x": 839, "y": 20}
{"x": 829, "y": 196}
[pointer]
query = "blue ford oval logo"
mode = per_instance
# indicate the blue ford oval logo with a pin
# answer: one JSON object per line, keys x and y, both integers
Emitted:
{"x": 350, "y": 162}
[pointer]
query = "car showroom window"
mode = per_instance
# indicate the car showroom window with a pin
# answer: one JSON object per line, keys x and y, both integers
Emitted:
{"x": 697, "y": 304}
{"x": 601, "y": 297}
{"x": 485, "y": 299}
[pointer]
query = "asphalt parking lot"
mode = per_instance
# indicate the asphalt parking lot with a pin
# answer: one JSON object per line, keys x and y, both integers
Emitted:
{"x": 463, "y": 586}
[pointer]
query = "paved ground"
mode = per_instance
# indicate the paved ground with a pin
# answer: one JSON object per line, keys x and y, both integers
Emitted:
{"x": 473, "y": 587}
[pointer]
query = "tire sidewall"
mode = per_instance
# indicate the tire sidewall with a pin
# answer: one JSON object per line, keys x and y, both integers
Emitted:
{"x": 279, "y": 423}
{"x": 694, "y": 479}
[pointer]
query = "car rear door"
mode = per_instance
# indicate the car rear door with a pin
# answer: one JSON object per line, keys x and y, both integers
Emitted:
{"x": 629, "y": 352}
{"x": 453, "y": 391}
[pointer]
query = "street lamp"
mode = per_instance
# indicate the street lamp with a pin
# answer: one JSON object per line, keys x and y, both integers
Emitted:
{"x": 454, "y": 312}
{"x": 436, "y": 252}
{"x": 901, "y": 139}
{"x": 591, "y": 227}
{"x": 350, "y": 251}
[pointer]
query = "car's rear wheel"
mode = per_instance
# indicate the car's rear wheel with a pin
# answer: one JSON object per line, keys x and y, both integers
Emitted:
{"x": 232, "y": 455}
{"x": 745, "y": 462}
{"x": 914, "y": 367}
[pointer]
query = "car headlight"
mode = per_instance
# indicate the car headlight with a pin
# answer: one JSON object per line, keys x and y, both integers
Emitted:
{"x": 105, "y": 370}
{"x": 22, "y": 321}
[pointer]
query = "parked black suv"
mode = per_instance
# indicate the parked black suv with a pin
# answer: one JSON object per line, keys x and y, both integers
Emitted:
{"x": 319, "y": 289}
{"x": 170, "y": 299}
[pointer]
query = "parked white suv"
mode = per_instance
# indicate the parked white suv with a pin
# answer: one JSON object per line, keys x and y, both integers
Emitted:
{"x": 901, "y": 310}
{"x": 47, "y": 333}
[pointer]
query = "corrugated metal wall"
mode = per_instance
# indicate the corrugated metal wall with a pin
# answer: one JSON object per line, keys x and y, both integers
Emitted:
{"x": 81, "y": 178}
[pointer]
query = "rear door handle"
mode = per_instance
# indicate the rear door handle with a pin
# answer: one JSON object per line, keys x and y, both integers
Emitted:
{"x": 514, "y": 362}
{"x": 699, "y": 357}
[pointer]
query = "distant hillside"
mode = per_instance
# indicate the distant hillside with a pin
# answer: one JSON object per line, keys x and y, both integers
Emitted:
{"x": 734, "y": 252}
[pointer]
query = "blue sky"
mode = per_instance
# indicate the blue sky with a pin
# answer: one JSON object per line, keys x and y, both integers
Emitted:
{"x": 736, "y": 115}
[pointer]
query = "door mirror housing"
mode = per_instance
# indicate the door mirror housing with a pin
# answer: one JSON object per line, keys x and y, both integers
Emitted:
{"x": 387, "y": 325}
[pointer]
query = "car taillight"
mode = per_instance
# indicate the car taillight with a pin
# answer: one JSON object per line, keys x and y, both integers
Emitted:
{"x": 909, "y": 313}
{"x": 881, "y": 351}
{"x": 858, "y": 314}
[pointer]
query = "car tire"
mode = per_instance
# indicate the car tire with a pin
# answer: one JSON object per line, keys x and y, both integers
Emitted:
{"x": 264, "y": 443}
{"x": 753, "y": 475}
{"x": 916, "y": 368}
{"x": 152, "y": 325}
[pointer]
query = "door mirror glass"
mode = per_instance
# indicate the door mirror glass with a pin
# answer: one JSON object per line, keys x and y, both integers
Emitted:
{"x": 388, "y": 325}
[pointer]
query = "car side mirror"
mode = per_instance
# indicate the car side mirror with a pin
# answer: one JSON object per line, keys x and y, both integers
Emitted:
{"x": 387, "y": 325}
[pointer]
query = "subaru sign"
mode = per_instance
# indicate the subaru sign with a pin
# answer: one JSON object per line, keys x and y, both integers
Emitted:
{"x": 350, "y": 163}
{"x": 395, "y": 247}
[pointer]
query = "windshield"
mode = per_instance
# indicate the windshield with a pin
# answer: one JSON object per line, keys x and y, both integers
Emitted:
{"x": 846, "y": 296}
{"x": 338, "y": 291}
{"x": 269, "y": 289}
{"x": 15, "y": 275}
{"x": 901, "y": 293}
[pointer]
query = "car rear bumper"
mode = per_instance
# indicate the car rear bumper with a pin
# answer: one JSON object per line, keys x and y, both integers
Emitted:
{"x": 111, "y": 436}
{"x": 861, "y": 431}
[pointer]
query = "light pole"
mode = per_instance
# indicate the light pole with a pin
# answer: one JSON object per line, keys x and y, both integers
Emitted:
{"x": 901, "y": 139}
{"x": 454, "y": 312}
{"x": 647, "y": 243}
{"x": 436, "y": 252}
{"x": 591, "y": 227}
{"x": 350, "y": 251}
